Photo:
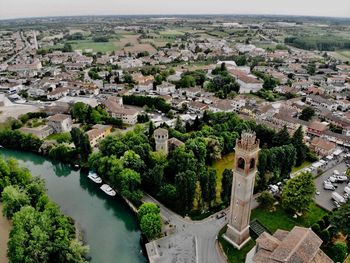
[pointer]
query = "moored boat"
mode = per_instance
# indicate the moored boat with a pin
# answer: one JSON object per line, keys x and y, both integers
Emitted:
{"x": 94, "y": 177}
{"x": 108, "y": 190}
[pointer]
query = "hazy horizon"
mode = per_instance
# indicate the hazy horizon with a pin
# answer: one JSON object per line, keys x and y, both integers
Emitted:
{"x": 47, "y": 8}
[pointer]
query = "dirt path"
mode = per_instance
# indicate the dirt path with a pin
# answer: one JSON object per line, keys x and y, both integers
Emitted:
{"x": 5, "y": 228}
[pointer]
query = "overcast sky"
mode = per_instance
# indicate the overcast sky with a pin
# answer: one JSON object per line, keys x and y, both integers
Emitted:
{"x": 34, "y": 8}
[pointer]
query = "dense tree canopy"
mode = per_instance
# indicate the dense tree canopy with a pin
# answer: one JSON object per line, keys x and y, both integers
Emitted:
{"x": 307, "y": 113}
{"x": 298, "y": 193}
{"x": 40, "y": 233}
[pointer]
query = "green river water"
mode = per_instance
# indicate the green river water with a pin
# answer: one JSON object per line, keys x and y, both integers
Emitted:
{"x": 107, "y": 224}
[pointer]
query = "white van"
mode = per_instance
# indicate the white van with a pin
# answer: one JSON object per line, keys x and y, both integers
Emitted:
{"x": 337, "y": 197}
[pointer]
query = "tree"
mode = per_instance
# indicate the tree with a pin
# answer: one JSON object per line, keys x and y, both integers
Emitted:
{"x": 300, "y": 147}
{"x": 80, "y": 111}
{"x": 281, "y": 137}
{"x": 185, "y": 188}
{"x": 148, "y": 208}
{"x": 132, "y": 160}
{"x": 266, "y": 200}
{"x": 153, "y": 178}
{"x": 167, "y": 194}
{"x": 67, "y": 48}
{"x": 240, "y": 60}
{"x": 311, "y": 68}
{"x": 151, "y": 225}
{"x": 211, "y": 185}
{"x": 307, "y": 113}
{"x": 325, "y": 236}
{"x": 13, "y": 200}
{"x": 199, "y": 148}
{"x": 186, "y": 81}
{"x": 340, "y": 218}
{"x": 81, "y": 143}
{"x": 338, "y": 251}
{"x": 226, "y": 185}
{"x": 298, "y": 193}
{"x": 181, "y": 160}
{"x": 178, "y": 125}
{"x": 128, "y": 183}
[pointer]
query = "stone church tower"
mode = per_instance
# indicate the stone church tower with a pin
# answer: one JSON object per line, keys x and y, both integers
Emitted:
{"x": 246, "y": 157}
{"x": 161, "y": 138}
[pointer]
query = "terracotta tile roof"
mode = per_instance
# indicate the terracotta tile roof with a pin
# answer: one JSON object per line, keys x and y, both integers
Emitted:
{"x": 94, "y": 133}
{"x": 323, "y": 144}
{"x": 58, "y": 117}
{"x": 300, "y": 245}
{"x": 175, "y": 142}
{"x": 319, "y": 126}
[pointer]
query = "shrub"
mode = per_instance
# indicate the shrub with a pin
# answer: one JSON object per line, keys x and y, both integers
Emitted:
{"x": 316, "y": 228}
{"x": 338, "y": 252}
{"x": 266, "y": 200}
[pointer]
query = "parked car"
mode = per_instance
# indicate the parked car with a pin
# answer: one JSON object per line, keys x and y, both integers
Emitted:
{"x": 336, "y": 172}
{"x": 328, "y": 186}
{"x": 347, "y": 190}
{"x": 337, "y": 205}
{"x": 333, "y": 179}
{"x": 273, "y": 189}
{"x": 342, "y": 178}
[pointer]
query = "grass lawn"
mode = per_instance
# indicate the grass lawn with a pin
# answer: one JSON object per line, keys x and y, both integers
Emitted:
{"x": 234, "y": 255}
{"x": 282, "y": 220}
{"x": 303, "y": 165}
{"x": 95, "y": 46}
{"x": 60, "y": 137}
{"x": 226, "y": 162}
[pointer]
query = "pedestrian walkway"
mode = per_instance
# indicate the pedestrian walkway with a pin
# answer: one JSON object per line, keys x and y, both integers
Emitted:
{"x": 5, "y": 227}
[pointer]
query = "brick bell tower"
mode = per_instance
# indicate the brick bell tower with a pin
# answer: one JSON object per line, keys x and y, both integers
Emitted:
{"x": 246, "y": 157}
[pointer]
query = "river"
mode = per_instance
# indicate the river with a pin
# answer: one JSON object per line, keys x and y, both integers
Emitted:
{"x": 108, "y": 225}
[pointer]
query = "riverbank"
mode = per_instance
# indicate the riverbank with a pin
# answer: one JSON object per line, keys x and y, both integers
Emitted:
{"x": 5, "y": 227}
{"x": 105, "y": 223}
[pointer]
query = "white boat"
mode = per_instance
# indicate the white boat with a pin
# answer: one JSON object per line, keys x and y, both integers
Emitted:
{"x": 108, "y": 190}
{"x": 93, "y": 177}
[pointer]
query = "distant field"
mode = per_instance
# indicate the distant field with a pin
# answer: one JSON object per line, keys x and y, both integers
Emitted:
{"x": 140, "y": 47}
{"x": 158, "y": 42}
{"x": 343, "y": 53}
{"x": 95, "y": 46}
{"x": 117, "y": 43}
{"x": 171, "y": 33}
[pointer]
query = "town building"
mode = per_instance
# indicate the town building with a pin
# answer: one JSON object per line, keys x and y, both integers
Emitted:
{"x": 300, "y": 245}
{"x": 60, "y": 123}
{"x": 322, "y": 147}
{"x": 165, "y": 88}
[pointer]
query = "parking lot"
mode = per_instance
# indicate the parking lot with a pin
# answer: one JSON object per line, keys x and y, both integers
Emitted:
{"x": 324, "y": 198}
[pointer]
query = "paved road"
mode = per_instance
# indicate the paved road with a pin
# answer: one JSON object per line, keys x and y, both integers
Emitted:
{"x": 21, "y": 51}
{"x": 205, "y": 232}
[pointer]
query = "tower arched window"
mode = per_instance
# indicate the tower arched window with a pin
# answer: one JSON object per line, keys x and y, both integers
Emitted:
{"x": 241, "y": 163}
{"x": 252, "y": 164}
